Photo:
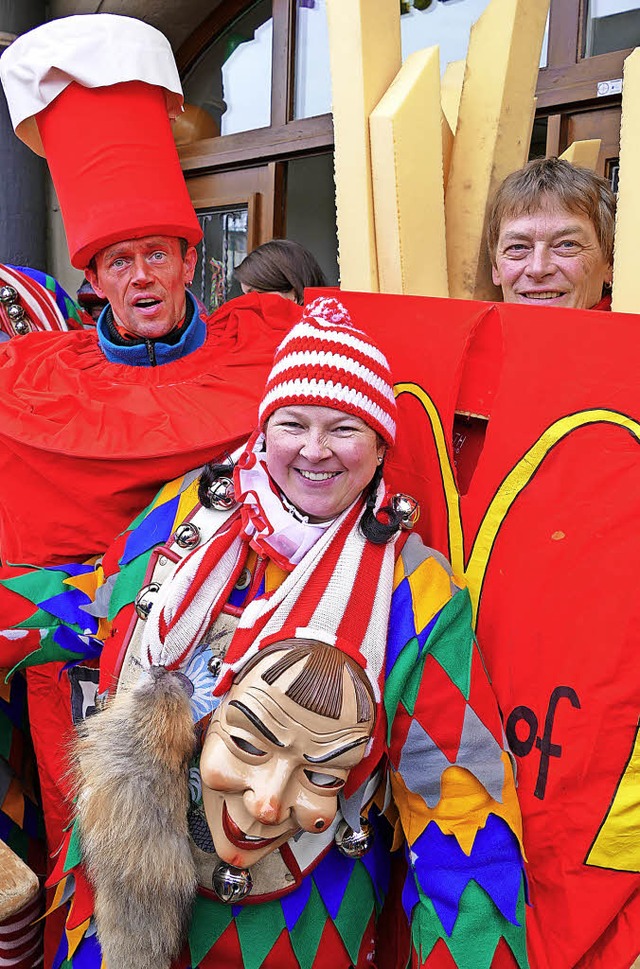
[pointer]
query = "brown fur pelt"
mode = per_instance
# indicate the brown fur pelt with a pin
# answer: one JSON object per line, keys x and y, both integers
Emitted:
{"x": 131, "y": 767}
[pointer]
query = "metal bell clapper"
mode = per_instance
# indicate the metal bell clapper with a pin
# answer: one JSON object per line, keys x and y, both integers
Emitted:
{"x": 187, "y": 535}
{"x": 354, "y": 844}
{"x": 145, "y": 599}
{"x": 231, "y": 884}
{"x": 407, "y": 508}
{"x": 221, "y": 494}
{"x": 8, "y": 294}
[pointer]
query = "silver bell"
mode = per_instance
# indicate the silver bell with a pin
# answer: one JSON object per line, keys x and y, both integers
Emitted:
{"x": 407, "y": 508}
{"x": 7, "y": 294}
{"x": 145, "y": 599}
{"x": 21, "y": 327}
{"x": 354, "y": 844}
{"x": 221, "y": 494}
{"x": 231, "y": 884}
{"x": 187, "y": 535}
{"x": 15, "y": 312}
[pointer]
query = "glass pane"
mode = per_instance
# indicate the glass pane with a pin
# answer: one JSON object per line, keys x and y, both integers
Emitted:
{"x": 312, "y": 90}
{"x": 232, "y": 79}
{"x": 223, "y": 247}
{"x": 427, "y": 22}
{"x": 538, "y": 146}
{"x": 423, "y": 23}
{"x": 612, "y": 25}
{"x": 311, "y": 210}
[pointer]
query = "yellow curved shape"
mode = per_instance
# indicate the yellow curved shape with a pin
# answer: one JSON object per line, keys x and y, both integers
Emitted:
{"x": 474, "y": 570}
{"x": 616, "y": 844}
{"x": 452, "y": 498}
{"x": 517, "y": 480}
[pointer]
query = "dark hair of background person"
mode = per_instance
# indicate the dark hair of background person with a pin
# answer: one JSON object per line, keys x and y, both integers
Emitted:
{"x": 545, "y": 183}
{"x": 280, "y": 266}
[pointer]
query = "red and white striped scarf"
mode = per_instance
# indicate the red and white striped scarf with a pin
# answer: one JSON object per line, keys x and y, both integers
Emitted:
{"x": 339, "y": 592}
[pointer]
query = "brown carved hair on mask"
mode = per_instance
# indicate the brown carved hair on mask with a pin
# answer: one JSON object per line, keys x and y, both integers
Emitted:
{"x": 318, "y": 687}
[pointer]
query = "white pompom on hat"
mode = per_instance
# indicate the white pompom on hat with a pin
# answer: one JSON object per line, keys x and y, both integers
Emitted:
{"x": 325, "y": 361}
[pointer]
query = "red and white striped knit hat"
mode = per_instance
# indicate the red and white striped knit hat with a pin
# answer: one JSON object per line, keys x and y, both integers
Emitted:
{"x": 324, "y": 360}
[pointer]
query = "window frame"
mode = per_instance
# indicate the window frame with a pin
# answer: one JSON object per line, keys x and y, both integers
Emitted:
{"x": 285, "y": 136}
{"x": 569, "y": 77}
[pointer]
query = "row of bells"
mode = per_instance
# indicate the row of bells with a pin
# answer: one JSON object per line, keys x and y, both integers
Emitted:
{"x": 233, "y": 884}
{"x": 187, "y": 536}
{"x": 15, "y": 312}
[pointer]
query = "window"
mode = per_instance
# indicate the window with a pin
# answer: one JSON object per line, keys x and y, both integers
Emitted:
{"x": 232, "y": 78}
{"x": 611, "y": 25}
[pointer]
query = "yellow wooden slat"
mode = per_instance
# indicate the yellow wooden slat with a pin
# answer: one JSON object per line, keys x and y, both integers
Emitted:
{"x": 406, "y": 159}
{"x": 365, "y": 54}
{"x": 492, "y": 134}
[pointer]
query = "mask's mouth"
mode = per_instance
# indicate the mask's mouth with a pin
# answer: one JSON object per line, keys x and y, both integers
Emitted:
{"x": 239, "y": 839}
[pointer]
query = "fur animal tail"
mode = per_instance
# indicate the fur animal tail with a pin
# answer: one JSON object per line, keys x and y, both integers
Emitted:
{"x": 131, "y": 765}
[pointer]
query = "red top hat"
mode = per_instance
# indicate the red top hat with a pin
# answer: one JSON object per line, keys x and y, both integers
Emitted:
{"x": 124, "y": 180}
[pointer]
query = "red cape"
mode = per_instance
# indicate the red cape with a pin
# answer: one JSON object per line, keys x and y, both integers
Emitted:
{"x": 85, "y": 444}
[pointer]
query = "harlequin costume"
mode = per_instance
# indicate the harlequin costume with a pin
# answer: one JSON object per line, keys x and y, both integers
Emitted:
{"x": 251, "y": 572}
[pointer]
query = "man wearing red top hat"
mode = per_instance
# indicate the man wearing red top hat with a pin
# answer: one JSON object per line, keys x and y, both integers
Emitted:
{"x": 93, "y": 422}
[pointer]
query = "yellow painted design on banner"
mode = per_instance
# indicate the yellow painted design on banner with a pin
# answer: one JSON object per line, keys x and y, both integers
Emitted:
{"x": 616, "y": 845}
{"x": 617, "y": 841}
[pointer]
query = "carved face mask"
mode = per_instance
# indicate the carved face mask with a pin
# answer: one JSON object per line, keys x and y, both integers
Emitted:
{"x": 271, "y": 766}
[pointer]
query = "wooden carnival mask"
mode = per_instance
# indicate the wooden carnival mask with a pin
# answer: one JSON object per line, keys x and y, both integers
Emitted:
{"x": 280, "y": 748}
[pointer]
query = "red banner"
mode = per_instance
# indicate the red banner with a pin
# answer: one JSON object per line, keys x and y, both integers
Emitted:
{"x": 541, "y": 516}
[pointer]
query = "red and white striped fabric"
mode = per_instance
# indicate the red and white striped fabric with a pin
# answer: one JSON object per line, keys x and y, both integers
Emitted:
{"x": 324, "y": 360}
{"x": 21, "y": 944}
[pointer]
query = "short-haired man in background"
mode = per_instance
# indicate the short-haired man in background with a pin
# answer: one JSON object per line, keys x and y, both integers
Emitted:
{"x": 550, "y": 236}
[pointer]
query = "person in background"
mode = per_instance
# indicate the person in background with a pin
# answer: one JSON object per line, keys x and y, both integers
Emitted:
{"x": 550, "y": 236}
{"x": 89, "y": 300}
{"x": 280, "y": 266}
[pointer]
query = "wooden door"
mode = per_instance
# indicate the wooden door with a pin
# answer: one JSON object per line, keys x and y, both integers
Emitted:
{"x": 238, "y": 210}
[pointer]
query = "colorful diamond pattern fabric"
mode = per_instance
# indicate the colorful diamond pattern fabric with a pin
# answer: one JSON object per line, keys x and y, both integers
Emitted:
{"x": 451, "y": 780}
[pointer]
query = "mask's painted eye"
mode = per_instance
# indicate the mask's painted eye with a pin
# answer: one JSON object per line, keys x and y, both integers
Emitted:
{"x": 324, "y": 780}
{"x": 247, "y": 747}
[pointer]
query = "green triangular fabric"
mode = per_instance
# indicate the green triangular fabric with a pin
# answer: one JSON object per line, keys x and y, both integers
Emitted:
{"x": 307, "y": 932}
{"x": 38, "y": 586}
{"x": 129, "y": 583}
{"x": 451, "y": 641}
{"x": 74, "y": 852}
{"x": 48, "y": 651}
{"x": 515, "y": 936}
{"x": 354, "y": 914}
{"x": 476, "y": 933}
{"x": 396, "y": 683}
{"x": 208, "y": 921}
{"x": 258, "y": 929}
